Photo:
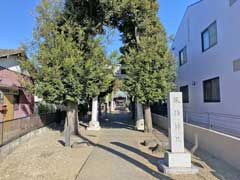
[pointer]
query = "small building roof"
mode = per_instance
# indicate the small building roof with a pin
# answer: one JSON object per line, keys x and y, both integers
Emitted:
{"x": 10, "y": 52}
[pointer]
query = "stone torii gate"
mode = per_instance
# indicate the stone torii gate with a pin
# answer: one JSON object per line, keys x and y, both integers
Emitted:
{"x": 94, "y": 123}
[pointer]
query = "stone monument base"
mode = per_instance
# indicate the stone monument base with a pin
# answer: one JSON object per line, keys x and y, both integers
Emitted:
{"x": 177, "y": 163}
{"x": 94, "y": 126}
{"x": 140, "y": 125}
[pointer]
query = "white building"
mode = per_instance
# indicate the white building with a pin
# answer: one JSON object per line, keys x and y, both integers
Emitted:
{"x": 207, "y": 50}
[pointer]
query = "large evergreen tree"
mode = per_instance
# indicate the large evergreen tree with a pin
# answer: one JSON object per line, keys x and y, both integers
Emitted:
{"x": 56, "y": 63}
{"x": 72, "y": 66}
{"x": 63, "y": 69}
{"x": 150, "y": 65}
{"x": 97, "y": 69}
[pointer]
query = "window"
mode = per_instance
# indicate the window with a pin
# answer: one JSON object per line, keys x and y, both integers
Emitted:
{"x": 231, "y": 2}
{"x": 183, "y": 56}
{"x": 211, "y": 90}
{"x": 184, "y": 90}
{"x": 209, "y": 37}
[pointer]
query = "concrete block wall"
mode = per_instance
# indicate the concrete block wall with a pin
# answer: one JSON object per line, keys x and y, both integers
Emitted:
{"x": 10, "y": 147}
{"x": 220, "y": 145}
{"x": 160, "y": 121}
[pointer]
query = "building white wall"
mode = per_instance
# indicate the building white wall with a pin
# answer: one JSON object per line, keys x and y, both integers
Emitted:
{"x": 215, "y": 62}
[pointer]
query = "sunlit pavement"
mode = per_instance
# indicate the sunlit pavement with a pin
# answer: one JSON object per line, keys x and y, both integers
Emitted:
{"x": 119, "y": 155}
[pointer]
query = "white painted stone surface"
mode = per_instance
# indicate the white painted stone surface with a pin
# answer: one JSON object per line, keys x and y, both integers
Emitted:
{"x": 175, "y": 111}
{"x": 177, "y": 160}
{"x": 107, "y": 101}
{"x": 94, "y": 126}
{"x": 94, "y": 109}
{"x": 174, "y": 160}
{"x": 94, "y": 123}
{"x": 112, "y": 103}
{"x": 140, "y": 119}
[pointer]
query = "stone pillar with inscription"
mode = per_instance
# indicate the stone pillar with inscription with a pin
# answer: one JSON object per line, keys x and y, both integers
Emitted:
{"x": 176, "y": 160}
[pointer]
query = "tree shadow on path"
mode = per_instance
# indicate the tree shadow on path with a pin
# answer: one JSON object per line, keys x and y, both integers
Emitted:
{"x": 130, "y": 160}
{"x": 153, "y": 160}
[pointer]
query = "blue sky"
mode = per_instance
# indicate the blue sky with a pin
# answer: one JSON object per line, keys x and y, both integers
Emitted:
{"x": 17, "y": 22}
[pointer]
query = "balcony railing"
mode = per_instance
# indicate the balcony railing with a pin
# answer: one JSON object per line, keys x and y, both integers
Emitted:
{"x": 225, "y": 123}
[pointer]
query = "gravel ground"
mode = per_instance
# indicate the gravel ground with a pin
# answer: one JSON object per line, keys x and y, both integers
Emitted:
{"x": 44, "y": 157}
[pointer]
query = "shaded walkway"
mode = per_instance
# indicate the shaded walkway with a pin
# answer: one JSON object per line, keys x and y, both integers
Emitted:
{"x": 117, "y": 154}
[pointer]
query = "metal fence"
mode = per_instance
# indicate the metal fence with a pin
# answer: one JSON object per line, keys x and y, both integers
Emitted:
{"x": 15, "y": 128}
{"x": 225, "y": 123}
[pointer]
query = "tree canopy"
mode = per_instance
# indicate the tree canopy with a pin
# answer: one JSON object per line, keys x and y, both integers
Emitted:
{"x": 71, "y": 62}
{"x": 61, "y": 66}
{"x": 66, "y": 67}
{"x": 150, "y": 66}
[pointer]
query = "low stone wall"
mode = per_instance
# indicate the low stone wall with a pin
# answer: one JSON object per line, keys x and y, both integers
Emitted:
{"x": 220, "y": 145}
{"x": 160, "y": 121}
{"x": 10, "y": 147}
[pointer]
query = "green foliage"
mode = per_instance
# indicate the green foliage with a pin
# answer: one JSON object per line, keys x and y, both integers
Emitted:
{"x": 65, "y": 65}
{"x": 44, "y": 108}
{"x": 68, "y": 59}
{"x": 89, "y": 14}
{"x": 98, "y": 70}
{"x": 149, "y": 64}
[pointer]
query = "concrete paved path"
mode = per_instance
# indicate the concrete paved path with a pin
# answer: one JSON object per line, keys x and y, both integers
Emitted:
{"x": 117, "y": 155}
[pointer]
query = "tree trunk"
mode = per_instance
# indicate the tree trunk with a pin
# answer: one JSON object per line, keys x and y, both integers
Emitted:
{"x": 76, "y": 122}
{"x": 107, "y": 105}
{"x": 100, "y": 108}
{"x": 72, "y": 118}
{"x": 137, "y": 35}
{"x": 135, "y": 110}
{"x": 132, "y": 107}
{"x": 148, "y": 119}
